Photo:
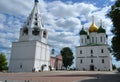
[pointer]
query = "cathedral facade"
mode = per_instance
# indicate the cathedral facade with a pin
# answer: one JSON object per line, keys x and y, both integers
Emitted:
{"x": 31, "y": 52}
{"x": 93, "y": 54}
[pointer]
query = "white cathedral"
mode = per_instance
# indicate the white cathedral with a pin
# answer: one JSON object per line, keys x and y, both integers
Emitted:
{"x": 31, "y": 52}
{"x": 93, "y": 53}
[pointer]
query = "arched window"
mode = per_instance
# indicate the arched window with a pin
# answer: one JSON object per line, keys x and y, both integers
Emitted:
{"x": 21, "y": 66}
{"x": 91, "y": 60}
{"x": 81, "y": 40}
{"x": 92, "y": 39}
{"x": 36, "y": 23}
{"x": 25, "y": 31}
{"x": 28, "y": 23}
{"x": 30, "y": 18}
{"x": 101, "y": 38}
{"x": 44, "y": 34}
{"x": 80, "y": 51}
{"x": 103, "y": 61}
{"x": 81, "y": 61}
{"x": 36, "y": 31}
{"x": 35, "y": 18}
{"x": 91, "y": 51}
{"x": 104, "y": 39}
{"x": 102, "y": 51}
{"x": 35, "y": 14}
{"x": 96, "y": 39}
{"x": 85, "y": 40}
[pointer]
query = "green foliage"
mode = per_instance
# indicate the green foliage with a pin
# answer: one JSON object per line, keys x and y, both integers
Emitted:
{"x": 3, "y": 62}
{"x": 118, "y": 69}
{"x": 114, "y": 14}
{"x": 113, "y": 67}
{"x": 67, "y": 56}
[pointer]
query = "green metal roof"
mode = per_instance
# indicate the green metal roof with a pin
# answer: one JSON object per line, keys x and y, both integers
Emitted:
{"x": 101, "y": 30}
{"x": 83, "y": 32}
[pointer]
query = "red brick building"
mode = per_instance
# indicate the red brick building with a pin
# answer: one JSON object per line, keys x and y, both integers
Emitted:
{"x": 56, "y": 62}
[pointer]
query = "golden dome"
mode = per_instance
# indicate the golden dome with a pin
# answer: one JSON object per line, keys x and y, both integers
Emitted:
{"x": 93, "y": 27}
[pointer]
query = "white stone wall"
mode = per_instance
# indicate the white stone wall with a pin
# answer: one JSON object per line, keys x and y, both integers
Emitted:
{"x": 93, "y": 37}
{"x": 31, "y": 54}
{"x": 83, "y": 40}
{"x": 42, "y": 56}
{"x": 97, "y": 57}
{"x": 103, "y": 37}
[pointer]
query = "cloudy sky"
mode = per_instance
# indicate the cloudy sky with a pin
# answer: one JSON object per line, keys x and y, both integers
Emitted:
{"x": 62, "y": 19}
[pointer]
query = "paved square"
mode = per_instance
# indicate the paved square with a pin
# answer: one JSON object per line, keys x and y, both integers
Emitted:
{"x": 61, "y": 76}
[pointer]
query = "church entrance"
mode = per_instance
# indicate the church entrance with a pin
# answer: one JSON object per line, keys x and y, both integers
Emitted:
{"x": 91, "y": 67}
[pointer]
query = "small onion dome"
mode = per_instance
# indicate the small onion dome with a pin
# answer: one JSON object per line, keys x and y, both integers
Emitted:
{"x": 93, "y": 27}
{"x": 101, "y": 30}
{"x": 83, "y": 32}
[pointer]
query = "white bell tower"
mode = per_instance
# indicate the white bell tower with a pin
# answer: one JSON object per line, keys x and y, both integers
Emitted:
{"x": 31, "y": 52}
{"x": 33, "y": 28}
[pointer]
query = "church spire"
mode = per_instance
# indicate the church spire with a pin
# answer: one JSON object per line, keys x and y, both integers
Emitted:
{"x": 34, "y": 20}
{"x": 101, "y": 29}
{"x": 92, "y": 19}
{"x": 101, "y": 22}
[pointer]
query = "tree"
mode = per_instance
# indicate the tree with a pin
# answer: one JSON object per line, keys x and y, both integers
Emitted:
{"x": 113, "y": 66}
{"x": 114, "y": 14}
{"x": 3, "y": 62}
{"x": 67, "y": 56}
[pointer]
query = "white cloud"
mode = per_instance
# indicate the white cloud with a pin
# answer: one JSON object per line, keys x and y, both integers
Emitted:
{"x": 60, "y": 9}
{"x": 1, "y": 26}
{"x": 68, "y": 24}
{"x": 112, "y": 0}
{"x": 18, "y": 7}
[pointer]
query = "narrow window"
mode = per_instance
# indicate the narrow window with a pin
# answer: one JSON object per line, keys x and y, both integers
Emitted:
{"x": 92, "y": 39}
{"x": 101, "y": 38}
{"x": 81, "y": 40}
{"x": 96, "y": 39}
{"x": 91, "y": 60}
{"x": 36, "y": 18}
{"x": 81, "y": 61}
{"x": 20, "y": 66}
{"x": 80, "y": 51}
{"x": 103, "y": 61}
{"x": 102, "y": 51}
{"x": 91, "y": 51}
{"x": 104, "y": 40}
{"x": 44, "y": 34}
{"x": 29, "y": 18}
{"x": 35, "y": 14}
{"x": 28, "y": 23}
{"x": 25, "y": 31}
{"x": 85, "y": 40}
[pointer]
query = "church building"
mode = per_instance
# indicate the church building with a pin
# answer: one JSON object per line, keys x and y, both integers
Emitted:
{"x": 93, "y": 54}
{"x": 31, "y": 52}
